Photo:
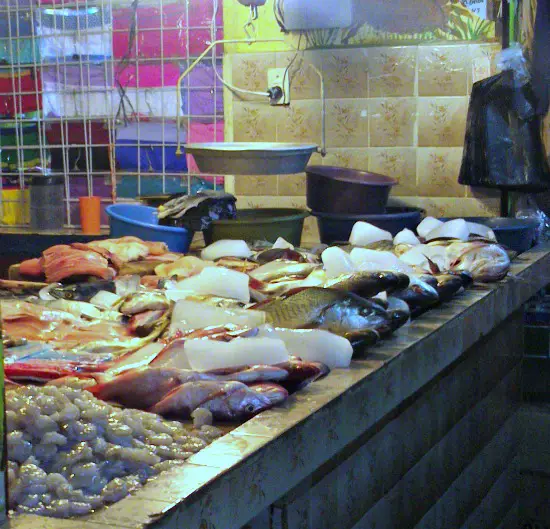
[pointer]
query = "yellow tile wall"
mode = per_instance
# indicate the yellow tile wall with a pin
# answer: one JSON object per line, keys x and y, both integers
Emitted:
{"x": 400, "y": 111}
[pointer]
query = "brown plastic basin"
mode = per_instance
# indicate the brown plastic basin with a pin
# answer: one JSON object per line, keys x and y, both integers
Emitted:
{"x": 347, "y": 191}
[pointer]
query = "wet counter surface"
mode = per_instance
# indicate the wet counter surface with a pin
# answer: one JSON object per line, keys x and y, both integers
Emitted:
{"x": 243, "y": 473}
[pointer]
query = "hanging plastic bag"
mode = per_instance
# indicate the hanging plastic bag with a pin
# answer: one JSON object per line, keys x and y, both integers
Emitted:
{"x": 527, "y": 208}
{"x": 503, "y": 146}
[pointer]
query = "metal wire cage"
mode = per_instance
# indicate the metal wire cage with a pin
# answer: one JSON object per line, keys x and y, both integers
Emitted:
{"x": 88, "y": 92}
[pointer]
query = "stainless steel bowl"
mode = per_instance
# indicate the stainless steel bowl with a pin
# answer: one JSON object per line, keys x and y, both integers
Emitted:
{"x": 251, "y": 158}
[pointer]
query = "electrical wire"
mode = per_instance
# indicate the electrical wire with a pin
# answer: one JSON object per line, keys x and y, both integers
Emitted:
{"x": 287, "y": 70}
{"x": 278, "y": 12}
{"x": 214, "y": 59}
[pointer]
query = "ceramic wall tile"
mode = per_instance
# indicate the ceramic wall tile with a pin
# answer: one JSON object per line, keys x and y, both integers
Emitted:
{"x": 271, "y": 202}
{"x": 438, "y": 170}
{"x": 345, "y": 73}
{"x": 253, "y": 122}
{"x": 347, "y": 123}
{"x": 350, "y": 158}
{"x": 443, "y": 70}
{"x": 256, "y": 185}
{"x": 392, "y": 71}
{"x": 442, "y": 121}
{"x": 250, "y": 71}
{"x": 392, "y": 122}
{"x": 300, "y": 122}
{"x": 291, "y": 185}
{"x": 304, "y": 81}
{"x": 452, "y": 207}
{"x": 399, "y": 163}
{"x": 483, "y": 61}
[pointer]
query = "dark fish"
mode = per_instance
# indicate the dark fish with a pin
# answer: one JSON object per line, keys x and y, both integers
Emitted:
{"x": 448, "y": 285}
{"x": 82, "y": 291}
{"x": 368, "y": 284}
{"x": 418, "y": 295}
{"x": 340, "y": 312}
{"x": 380, "y": 246}
{"x": 399, "y": 312}
{"x": 277, "y": 254}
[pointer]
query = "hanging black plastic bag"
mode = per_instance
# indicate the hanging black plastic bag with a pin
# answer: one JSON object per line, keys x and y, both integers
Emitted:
{"x": 503, "y": 146}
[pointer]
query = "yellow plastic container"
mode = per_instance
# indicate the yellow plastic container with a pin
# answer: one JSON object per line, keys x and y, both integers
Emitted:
{"x": 15, "y": 208}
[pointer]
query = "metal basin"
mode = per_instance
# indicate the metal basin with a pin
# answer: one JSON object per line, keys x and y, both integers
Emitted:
{"x": 251, "y": 158}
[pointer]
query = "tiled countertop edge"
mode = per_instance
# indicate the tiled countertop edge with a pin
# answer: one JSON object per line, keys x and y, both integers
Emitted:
{"x": 247, "y": 470}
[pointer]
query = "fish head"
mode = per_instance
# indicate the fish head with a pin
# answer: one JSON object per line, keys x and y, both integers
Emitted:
{"x": 80, "y": 292}
{"x": 248, "y": 401}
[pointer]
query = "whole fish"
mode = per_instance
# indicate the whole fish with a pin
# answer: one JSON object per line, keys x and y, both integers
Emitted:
{"x": 278, "y": 254}
{"x": 485, "y": 262}
{"x": 82, "y": 291}
{"x": 282, "y": 270}
{"x": 368, "y": 284}
{"x": 340, "y": 312}
{"x": 225, "y": 400}
{"x": 237, "y": 263}
{"x": 144, "y": 387}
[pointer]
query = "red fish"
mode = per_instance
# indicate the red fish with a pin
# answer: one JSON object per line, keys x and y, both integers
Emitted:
{"x": 225, "y": 400}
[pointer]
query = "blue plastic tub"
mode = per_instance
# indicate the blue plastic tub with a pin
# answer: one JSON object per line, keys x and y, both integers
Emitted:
{"x": 142, "y": 221}
{"x": 519, "y": 235}
{"x": 337, "y": 228}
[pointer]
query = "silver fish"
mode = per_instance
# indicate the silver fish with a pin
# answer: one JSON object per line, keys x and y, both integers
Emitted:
{"x": 282, "y": 270}
{"x": 484, "y": 262}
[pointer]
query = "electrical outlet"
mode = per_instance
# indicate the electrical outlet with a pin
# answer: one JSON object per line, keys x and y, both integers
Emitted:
{"x": 278, "y": 83}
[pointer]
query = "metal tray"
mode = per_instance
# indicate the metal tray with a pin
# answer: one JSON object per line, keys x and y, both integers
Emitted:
{"x": 251, "y": 158}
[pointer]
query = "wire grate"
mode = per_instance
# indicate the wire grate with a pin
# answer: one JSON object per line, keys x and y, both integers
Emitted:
{"x": 88, "y": 92}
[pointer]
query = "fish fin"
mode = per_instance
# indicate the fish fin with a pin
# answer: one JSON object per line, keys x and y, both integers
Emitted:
{"x": 434, "y": 269}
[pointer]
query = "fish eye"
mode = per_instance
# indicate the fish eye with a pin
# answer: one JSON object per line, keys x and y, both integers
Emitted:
{"x": 250, "y": 408}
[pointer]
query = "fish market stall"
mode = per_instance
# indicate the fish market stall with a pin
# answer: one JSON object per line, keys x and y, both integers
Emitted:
{"x": 218, "y": 390}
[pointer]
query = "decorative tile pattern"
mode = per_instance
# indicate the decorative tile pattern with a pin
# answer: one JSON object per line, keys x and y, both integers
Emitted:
{"x": 253, "y": 122}
{"x": 292, "y": 185}
{"x": 352, "y": 158}
{"x": 400, "y": 164}
{"x": 392, "y": 122}
{"x": 345, "y": 73}
{"x": 250, "y": 71}
{"x": 256, "y": 185}
{"x": 347, "y": 123}
{"x": 391, "y": 71}
{"x": 443, "y": 71}
{"x": 438, "y": 170}
{"x": 483, "y": 61}
{"x": 442, "y": 121}
{"x": 298, "y": 122}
